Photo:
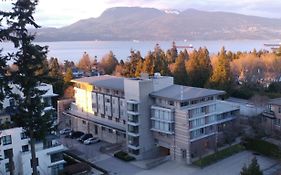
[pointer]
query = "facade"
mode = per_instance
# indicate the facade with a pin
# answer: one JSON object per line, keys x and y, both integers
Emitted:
{"x": 151, "y": 115}
{"x": 15, "y": 147}
{"x": 271, "y": 117}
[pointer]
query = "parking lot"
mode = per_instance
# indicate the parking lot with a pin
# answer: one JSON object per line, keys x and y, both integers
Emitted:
{"x": 106, "y": 161}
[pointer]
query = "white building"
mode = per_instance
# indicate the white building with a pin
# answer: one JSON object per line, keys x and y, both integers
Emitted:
{"x": 15, "y": 147}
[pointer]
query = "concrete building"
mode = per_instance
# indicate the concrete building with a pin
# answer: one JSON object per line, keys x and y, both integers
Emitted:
{"x": 272, "y": 116}
{"x": 15, "y": 147}
{"x": 151, "y": 115}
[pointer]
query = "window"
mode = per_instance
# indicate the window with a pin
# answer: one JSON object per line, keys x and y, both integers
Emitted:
{"x": 117, "y": 120}
{"x": 132, "y": 107}
{"x": 25, "y": 148}
{"x": 186, "y": 103}
{"x": 279, "y": 109}
{"x": 56, "y": 157}
{"x": 109, "y": 117}
{"x": 84, "y": 122}
{"x": 102, "y": 128}
{"x": 108, "y": 100}
{"x": 7, "y": 167}
{"x": 171, "y": 103}
{"x": 183, "y": 153}
{"x": 7, "y": 140}
{"x": 124, "y": 122}
{"x": 110, "y": 131}
{"x": 23, "y": 135}
{"x": 8, "y": 153}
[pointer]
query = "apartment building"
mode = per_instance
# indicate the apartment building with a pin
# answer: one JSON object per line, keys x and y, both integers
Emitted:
{"x": 271, "y": 117}
{"x": 151, "y": 115}
{"x": 15, "y": 148}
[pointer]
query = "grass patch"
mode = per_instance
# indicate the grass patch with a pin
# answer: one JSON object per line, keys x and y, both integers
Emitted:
{"x": 263, "y": 147}
{"x": 124, "y": 156}
{"x": 222, "y": 154}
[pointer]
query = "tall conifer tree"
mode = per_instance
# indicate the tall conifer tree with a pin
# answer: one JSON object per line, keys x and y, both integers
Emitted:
{"x": 30, "y": 73}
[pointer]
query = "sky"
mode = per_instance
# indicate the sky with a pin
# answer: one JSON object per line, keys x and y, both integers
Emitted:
{"x": 58, "y": 13}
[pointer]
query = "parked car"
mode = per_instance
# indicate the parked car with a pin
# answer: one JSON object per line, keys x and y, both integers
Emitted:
{"x": 91, "y": 140}
{"x": 65, "y": 131}
{"x": 68, "y": 135}
{"x": 84, "y": 137}
{"x": 76, "y": 134}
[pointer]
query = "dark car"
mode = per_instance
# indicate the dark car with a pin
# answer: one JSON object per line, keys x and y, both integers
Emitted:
{"x": 68, "y": 135}
{"x": 75, "y": 134}
{"x": 84, "y": 137}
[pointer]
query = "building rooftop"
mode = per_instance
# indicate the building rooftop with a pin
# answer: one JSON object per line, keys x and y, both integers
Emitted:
{"x": 276, "y": 101}
{"x": 104, "y": 81}
{"x": 184, "y": 93}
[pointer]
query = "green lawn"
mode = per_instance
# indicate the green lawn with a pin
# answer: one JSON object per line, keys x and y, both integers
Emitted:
{"x": 222, "y": 154}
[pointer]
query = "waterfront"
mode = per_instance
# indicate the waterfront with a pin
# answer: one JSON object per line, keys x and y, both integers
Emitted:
{"x": 73, "y": 50}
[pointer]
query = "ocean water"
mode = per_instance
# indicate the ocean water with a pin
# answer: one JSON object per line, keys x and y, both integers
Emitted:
{"x": 73, "y": 50}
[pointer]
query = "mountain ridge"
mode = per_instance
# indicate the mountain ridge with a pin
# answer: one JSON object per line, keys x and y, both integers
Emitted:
{"x": 137, "y": 23}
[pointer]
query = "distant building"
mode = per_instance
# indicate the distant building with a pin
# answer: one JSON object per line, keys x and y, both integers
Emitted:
{"x": 272, "y": 116}
{"x": 15, "y": 147}
{"x": 151, "y": 115}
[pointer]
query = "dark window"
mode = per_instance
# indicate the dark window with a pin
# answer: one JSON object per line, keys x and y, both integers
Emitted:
{"x": 124, "y": 122}
{"x": 102, "y": 128}
{"x": 171, "y": 103}
{"x": 279, "y": 109}
{"x": 7, "y": 167}
{"x": 23, "y": 135}
{"x": 186, "y": 103}
{"x": 110, "y": 131}
{"x": 56, "y": 157}
{"x": 7, "y": 140}
{"x": 108, "y": 100}
{"x": 8, "y": 153}
{"x": 109, "y": 117}
{"x": 117, "y": 120}
{"x": 96, "y": 129}
{"x": 25, "y": 148}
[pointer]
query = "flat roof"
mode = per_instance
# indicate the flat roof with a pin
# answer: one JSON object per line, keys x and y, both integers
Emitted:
{"x": 184, "y": 93}
{"x": 104, "y": 81}
{"x": 276, "y": 101}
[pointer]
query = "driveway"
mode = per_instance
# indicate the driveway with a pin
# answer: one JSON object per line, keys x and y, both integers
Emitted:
{"x": 91, "y": 153}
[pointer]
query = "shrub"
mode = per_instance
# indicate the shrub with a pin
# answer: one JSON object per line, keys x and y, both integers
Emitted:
{"x": 124, "y": 156}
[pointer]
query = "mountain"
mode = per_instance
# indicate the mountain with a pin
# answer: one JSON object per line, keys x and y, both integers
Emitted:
{"x": 135, "y": 23}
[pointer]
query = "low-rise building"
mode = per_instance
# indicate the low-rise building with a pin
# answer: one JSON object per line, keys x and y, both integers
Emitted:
{"x": 151, "y": 115}
{"x": 272, "y": 116}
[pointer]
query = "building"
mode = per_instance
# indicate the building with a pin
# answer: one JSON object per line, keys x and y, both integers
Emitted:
{"x": 15, "y": 148}
{"x": 151, "y": 115}
{"x": 271, "y": 117}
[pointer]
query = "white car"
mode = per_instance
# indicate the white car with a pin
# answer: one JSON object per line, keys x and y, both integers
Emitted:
{"x": 65, "y": 131}
{"x": 91, "y": 140}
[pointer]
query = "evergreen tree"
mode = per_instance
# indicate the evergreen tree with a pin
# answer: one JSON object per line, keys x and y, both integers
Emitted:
{"x": 199, "y": 67}
{"x": 68, "y": 76}
{"x": 179, "y": 71}
{"x": 30, "y": 62}
{"x": 139, "y": 69}
{"x": 252, "y": 169}
{"x": 221, "y": 77}
{"x": 148, "y": 66}
{"x": 55, "y": 76}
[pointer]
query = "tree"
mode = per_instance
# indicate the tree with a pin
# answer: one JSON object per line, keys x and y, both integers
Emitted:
{"x": 108, "y": 63}
{"x": 199, "y": 67}
{"x": 85, "y": 63}
{"x": 148, "y": 66}
{"x": 139, "y": 69}
{"x": 252, "y": 169}
{"x": 30, "y": 74}
{"x": 68, "y": 76}
{"x": 221, "y": 77}
{"x": 179, "y": 71}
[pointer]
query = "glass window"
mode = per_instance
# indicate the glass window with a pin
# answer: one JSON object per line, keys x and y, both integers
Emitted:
{"x": 23, "y": 135}
{"x": 132, "y": 107}
{"x": 25, "y": 148}
{"x": 7, "y": 140}
{"x": 8, "y": 153}
{"x": 7, "y": 167}
{"x": 56, "y": 157}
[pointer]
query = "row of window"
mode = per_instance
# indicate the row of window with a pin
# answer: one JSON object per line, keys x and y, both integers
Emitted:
{"x": 162, "y": 115}
{"x": 193, "y": 102}
{"x": 163, "y": 126}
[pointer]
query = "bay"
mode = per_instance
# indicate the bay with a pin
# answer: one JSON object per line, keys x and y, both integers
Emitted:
{"x": 73, "y": 50}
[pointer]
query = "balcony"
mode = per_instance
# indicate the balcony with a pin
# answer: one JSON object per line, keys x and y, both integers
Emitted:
{"x": 269, "y": 114}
